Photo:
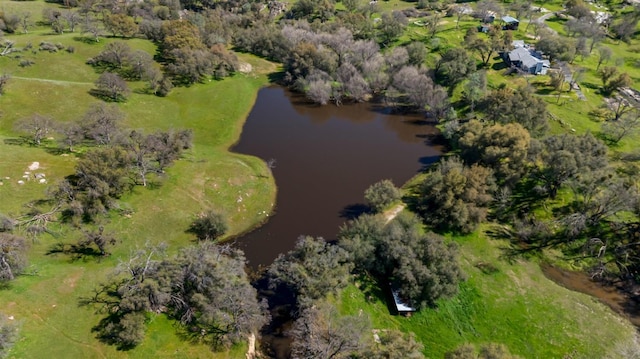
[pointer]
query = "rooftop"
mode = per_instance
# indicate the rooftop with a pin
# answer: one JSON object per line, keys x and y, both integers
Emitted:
{"x": 401, "y": 307}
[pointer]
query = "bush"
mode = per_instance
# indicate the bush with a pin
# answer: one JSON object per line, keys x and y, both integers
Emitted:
{"x": 456, "y": 197}
{"x": 381, "y": 195}
{"x": 47, "y": 46}
{"x": 209, "y": 226}
{"x": 26, "y": 63}
{"x": 13, "y": 256}
{"x": 312, "y": 270}
{"x": 8, "y": 333}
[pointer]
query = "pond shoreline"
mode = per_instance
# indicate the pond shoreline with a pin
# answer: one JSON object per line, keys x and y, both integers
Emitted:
{"x": 616, "y": 297}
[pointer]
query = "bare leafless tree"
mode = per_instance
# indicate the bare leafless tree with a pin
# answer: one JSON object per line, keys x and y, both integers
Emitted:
{"x": 112, "y": 87}
{"x": 36, "y": 126}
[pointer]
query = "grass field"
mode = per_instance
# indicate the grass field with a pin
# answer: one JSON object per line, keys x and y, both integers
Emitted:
{"x": 516, "y": 304}
{"x": 45, "y": 303}
{"x": 505, "y": 302}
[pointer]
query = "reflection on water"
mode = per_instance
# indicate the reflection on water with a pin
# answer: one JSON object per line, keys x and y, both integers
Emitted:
{"x": 326, "y": 156}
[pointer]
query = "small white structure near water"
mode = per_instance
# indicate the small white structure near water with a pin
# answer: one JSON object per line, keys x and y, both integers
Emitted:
{"x": 401, "y": 306}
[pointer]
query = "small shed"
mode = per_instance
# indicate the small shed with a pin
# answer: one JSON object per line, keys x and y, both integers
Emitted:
{"x": 401, "y": 306}
{"x": 510, "y": 23}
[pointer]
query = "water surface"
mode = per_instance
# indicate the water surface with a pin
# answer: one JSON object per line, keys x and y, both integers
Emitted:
{"x": 325, "y": 158}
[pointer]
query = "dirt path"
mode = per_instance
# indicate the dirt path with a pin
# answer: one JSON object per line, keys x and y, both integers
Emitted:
{"x": 251, "y": 351}
{"x": 393, "y": 212}
{"x": 64, "y": 334}
{"x": 57, "y": 82}
{"x": 541, "y": 21}
{"x": 568, "y": 78}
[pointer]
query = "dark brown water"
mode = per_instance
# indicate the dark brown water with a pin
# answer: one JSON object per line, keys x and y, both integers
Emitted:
{"x": 326, "y": 156}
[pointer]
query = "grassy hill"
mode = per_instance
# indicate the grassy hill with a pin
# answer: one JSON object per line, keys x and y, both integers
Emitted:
{"x": 504, "y": 301}
{"x": 45, "y": 303}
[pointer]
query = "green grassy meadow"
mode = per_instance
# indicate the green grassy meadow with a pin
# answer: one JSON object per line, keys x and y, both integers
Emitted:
{"x": 507, "y": 302}
{"x": 515, "y": 304}
{"x": 45, "y": 303}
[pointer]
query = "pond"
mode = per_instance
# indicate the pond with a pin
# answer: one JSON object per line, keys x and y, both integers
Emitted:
{"x": 325, "y": 157}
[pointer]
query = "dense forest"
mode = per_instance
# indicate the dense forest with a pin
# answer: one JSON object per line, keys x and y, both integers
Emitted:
{"x": 514, "y": 170}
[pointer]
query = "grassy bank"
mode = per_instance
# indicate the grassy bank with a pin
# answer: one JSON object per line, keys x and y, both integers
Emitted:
{"x": 208, "y": 176}
{"x": 512, "y": 303}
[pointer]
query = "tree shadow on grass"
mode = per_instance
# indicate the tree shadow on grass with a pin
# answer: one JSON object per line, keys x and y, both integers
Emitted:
{"x": 76, "y": 251}
{"x": 85, "y": 40}
{"x": 377, "y": 288}
{"x": 610, "y": 142}
{"x": 107, "y": 332}
{"x": 544, "y": 91}
{"x": 20, "y": 141}
{"x": 516, "y": 247}
{"x": 56, "y": 151}
{"x": 103, "y": 96}
{"x": 373, "y": 289}
{"x": 5, "y": 285}
{"x": 590, "y": 85}
{"x": 142, "y": 91}
{"x": 498, "y": 66}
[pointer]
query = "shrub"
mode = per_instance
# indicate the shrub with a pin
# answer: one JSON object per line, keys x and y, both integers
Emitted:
{"x": 26, "y": 63}
{"x": 381, "y": 195}
{"x": 13, "y": 256}
{"x": 47, "y": 46}
{"x": 209, "y": 226}
{"x": 8, "y": 333}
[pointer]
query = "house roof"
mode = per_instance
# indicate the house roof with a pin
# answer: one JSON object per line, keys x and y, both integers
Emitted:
{"x": 524, "y": 56}
{"x": 518, "y": 54}
{"x": 509, "y": 19}
{"x": 530, "y": 61}
{"x": 518, "y": 43}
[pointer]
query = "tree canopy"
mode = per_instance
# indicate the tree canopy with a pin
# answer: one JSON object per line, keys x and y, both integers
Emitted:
{"x": 421, "y": 267}
{"x": 204, "y": 288}
{"x": 455, "y": 196}
{"x": 503, "y": 148}
{"x": 313, "y": 269}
